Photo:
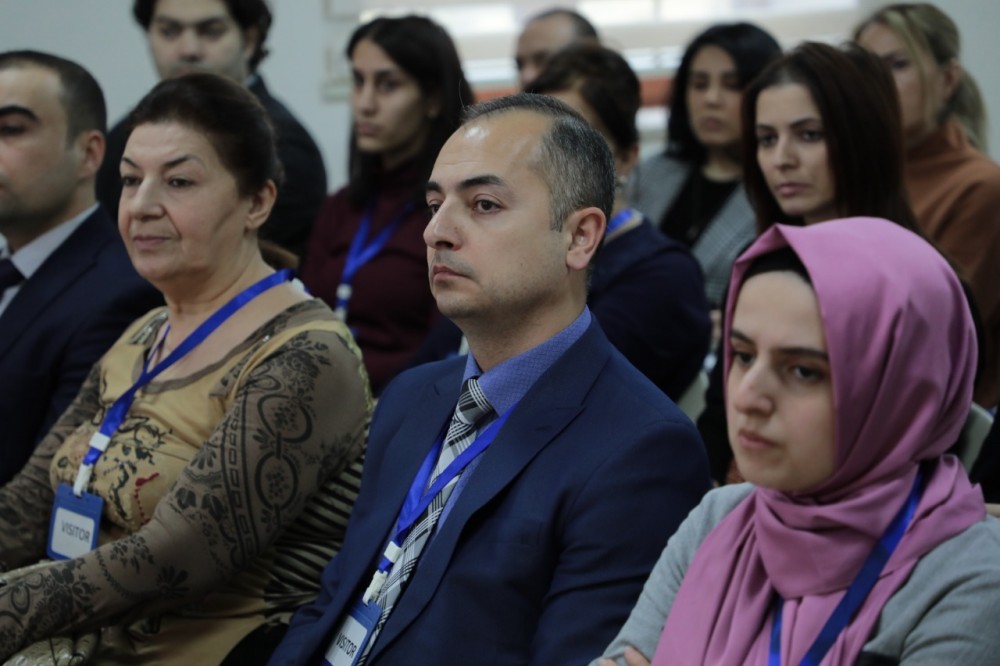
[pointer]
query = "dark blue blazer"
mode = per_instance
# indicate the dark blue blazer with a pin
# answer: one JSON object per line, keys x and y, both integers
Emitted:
{"x": 548, "y": 545}
{"x": 59, "y": 324}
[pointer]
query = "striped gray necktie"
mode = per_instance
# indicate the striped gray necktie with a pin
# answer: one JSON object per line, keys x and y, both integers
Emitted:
{"x": 470, "y": 413}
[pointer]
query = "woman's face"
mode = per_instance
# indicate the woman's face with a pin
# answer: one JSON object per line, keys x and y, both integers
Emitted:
{"x": 181, "y": 214}
{"x": 792, "y": 153}
{"x": 779, "y": 393}
{"x": 391, "y": 114}
{"x": 713, "y": 98}
{"x": 921, "y": 96}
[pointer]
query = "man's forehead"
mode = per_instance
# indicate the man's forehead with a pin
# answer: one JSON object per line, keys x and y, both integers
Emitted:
{"x": 30, "y": 87}
{"x": 191, "y": 11}
{"x": 500, "y": 146}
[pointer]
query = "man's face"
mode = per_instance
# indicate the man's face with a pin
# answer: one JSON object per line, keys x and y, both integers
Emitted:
{"x": 492, "y": 255}
{"x": 539, "y": 40}
{"x": 39, "y": 169}
{"x": 199, "y": 35}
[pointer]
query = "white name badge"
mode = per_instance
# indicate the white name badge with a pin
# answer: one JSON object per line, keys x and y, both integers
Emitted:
{"x": 352, "y": 636}
{"x": 75, "y": 523}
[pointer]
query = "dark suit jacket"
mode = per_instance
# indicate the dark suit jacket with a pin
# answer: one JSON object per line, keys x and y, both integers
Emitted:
{"x": 59, "y": 324}
{"x": 548, "y": 545}
{"x": 299, "y": 198}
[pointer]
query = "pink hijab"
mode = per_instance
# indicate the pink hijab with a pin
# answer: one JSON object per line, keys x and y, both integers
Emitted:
{"x": 902, "y": 352}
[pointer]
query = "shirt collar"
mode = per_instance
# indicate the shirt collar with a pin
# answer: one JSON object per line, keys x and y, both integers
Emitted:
{"x": 508, "y": 382}
{"x": 31, "y": 257}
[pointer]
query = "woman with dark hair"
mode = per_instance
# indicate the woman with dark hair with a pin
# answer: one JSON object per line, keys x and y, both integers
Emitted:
{"x": 366, "y": 256}
{"x": 808, "y": 158}
{"x": 196, "y": 485}
{"x": 850, "y": 356}
{"x": 822, "y": 139}
{"x": 646, "y": 291}
{"x": 954, "y": 188}
{"x": 692, "y": 191}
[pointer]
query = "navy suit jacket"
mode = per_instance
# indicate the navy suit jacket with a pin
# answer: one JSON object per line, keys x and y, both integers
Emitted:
{"x": 59, "y": 324}
{"x": 547, "y": 547}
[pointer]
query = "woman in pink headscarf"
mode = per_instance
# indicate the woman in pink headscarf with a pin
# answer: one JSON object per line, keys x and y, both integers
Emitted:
{"x": 850, "y": 361}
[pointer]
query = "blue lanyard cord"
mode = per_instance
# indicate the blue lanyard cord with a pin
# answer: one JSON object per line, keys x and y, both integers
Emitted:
{"x": 859, "y": 588}
{"x": 620, "y": 218}
{"x": 417, "y": 499}
{"x": 361, "y": 251}
{"x": 116, "y": 413}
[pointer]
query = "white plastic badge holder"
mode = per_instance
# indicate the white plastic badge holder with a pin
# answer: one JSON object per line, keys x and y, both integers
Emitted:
{"x": 74, "y": 525}
{"x": 352, "y": 635}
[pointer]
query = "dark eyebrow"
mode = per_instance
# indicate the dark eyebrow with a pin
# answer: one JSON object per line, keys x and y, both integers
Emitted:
{"x": 18, "y": 110}
{"x": 475, "y": 181}
{"x": 221, "y": 18}
{"x": 172, "y": 163}
{"x": 735, "y": 334}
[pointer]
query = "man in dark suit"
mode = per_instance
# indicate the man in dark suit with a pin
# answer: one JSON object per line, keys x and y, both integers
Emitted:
{"x": 227, "y": 37}
{"x": 70, "y": 289}
{"x": 580, "y": 467}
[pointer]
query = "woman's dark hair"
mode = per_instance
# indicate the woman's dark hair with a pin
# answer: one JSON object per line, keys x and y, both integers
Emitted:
{"x": 751, "y": 49}
{"x": 423, "y": 50}
{"x": 230, "y": 117}
{"x": 782, "y": 259}
{"x": 604, "y": 80}
{"x": 859, "y": 109}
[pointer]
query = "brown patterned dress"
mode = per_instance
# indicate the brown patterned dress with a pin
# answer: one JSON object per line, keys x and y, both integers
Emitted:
{"x": 225, "y": 493}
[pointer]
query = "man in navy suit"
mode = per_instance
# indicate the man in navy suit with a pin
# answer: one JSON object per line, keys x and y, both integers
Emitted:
{"x": 71, "y": 289}
{"x": 546, "y": 537}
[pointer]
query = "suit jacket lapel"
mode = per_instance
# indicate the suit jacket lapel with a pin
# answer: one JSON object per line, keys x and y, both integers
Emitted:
{"x": 551, "y": 404}
{"x": 65, "y": 265}
{"x": 413, "y": 438}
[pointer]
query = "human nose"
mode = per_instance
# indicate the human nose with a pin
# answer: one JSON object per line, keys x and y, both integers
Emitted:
{"x": 364, "y": 99}
{"x": 750, "y": 390}
{"x": 441, "y": 231}
{"x": 141, "y": 201}
{"x": 190, "y": 45}
{"x": 784, "y": 154}
{"x": 713, "y": 94}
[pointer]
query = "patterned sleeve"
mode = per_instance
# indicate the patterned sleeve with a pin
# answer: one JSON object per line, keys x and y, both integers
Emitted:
{"x": 26, "y": 500}
{"x": 297, "y": 418}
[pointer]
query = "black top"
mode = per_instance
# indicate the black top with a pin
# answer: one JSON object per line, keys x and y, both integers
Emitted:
{"x": 696, "y": 205}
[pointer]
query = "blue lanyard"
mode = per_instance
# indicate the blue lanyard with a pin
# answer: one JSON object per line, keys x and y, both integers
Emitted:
{"x": 417, "y": 499}
{"x": 361, "y": 252}
{"x": 116, "y": 413}
{"x": 620, "y": 218}
{"x": 857, "y": 592}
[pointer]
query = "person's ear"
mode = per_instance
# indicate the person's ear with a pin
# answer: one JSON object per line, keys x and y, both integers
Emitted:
{"x": 90, "y": 146}
{"x": 952, "y": 76}
{"x": 585, "y": 229}
{"x": 260, "y": 205}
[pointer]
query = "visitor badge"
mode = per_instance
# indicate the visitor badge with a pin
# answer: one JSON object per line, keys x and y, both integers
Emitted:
{"x": 352, "y": 635}
{"x": 74, "y": 525}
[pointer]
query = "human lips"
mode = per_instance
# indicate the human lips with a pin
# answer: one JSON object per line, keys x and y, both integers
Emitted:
{"x": 147, "y": 241}
{"x": 789, "y": 189}
{"x": 366, "y": 129}
{"x": 750, "y": 440}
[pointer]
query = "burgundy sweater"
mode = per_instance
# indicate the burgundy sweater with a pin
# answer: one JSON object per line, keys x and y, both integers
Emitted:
{"x": 391, "y": 308}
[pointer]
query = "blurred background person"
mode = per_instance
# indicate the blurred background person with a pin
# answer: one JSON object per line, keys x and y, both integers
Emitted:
{"x": 228, "y": 37}
{"x": 211, "y": 437}
{"x": 953, "y": 187}
{"x": 366, "y": 257}
{"x": 544, "y": 35}
{"x": 646, "y": 291}
{"x": 692, "y": 190}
